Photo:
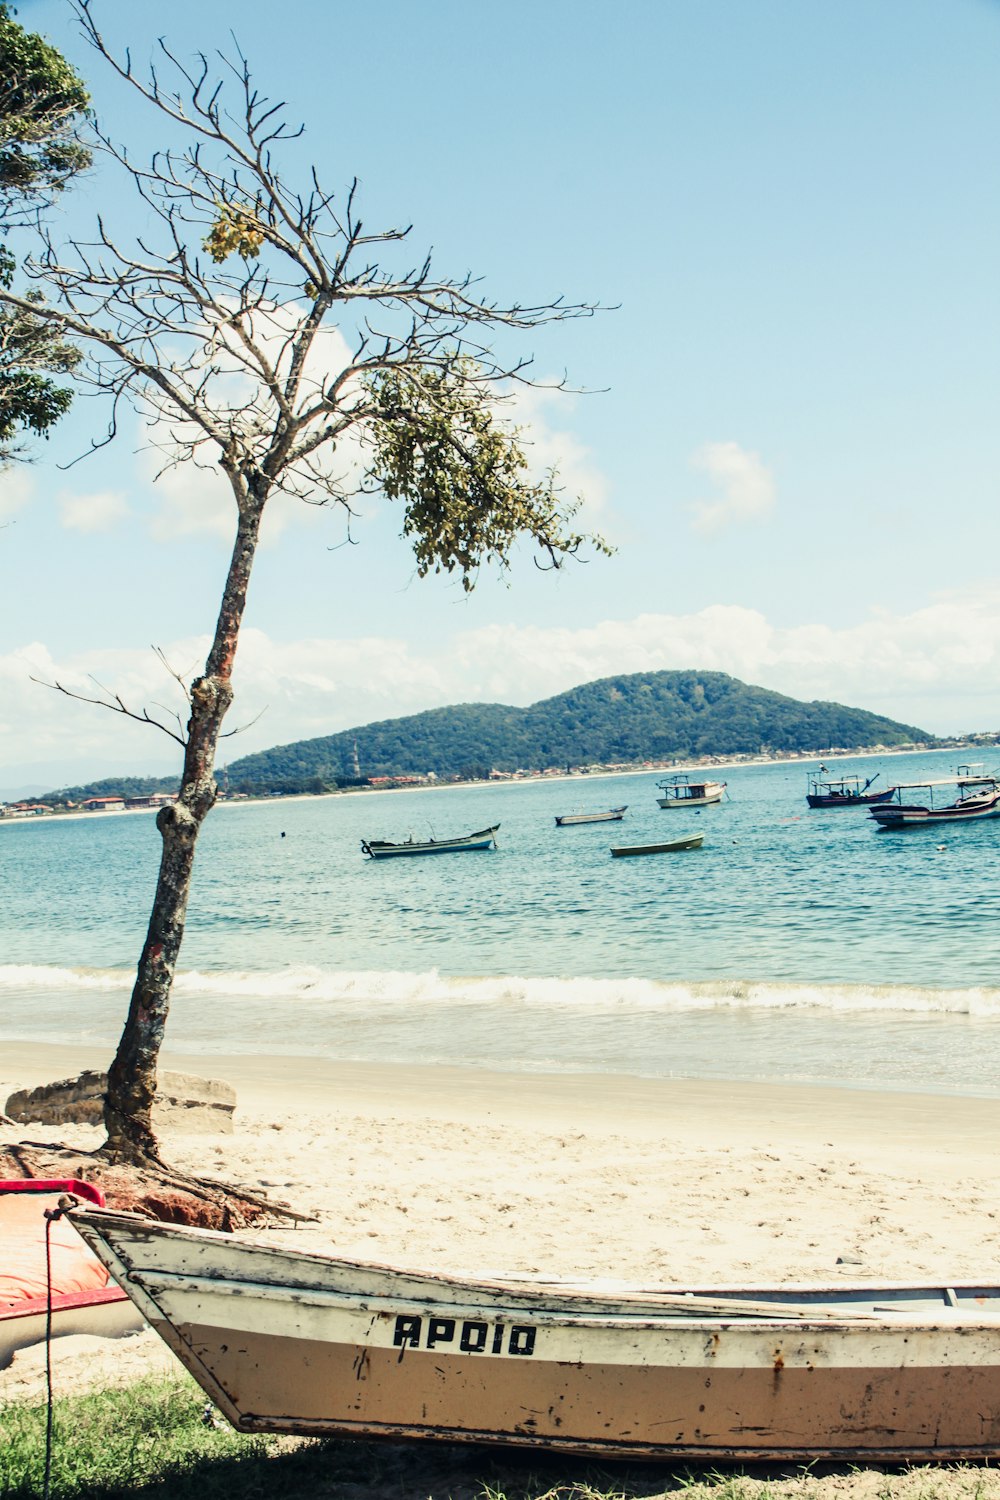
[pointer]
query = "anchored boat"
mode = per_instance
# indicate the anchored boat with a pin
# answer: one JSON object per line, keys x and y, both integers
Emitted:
{"x": 979, "y": 797}
{"x": 672, "y": 846}
{"x": 681, "y": 791}
{"x": 384, "y": 849}
{"x": 284, "y": 1341}
{"x": 613, "y": 815}
{"x": 847, "y": 791}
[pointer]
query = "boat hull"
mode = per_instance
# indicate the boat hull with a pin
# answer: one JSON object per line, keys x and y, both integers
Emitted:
{"x": 672, "y": 846}
{"x": 706, "y": 801}
{"x": 923, "y": 817}
{"x": 571, "y": 820}
{"x": 107, "y": 1314}
{"x": 383, "y": 849}
{"x": 287, "y": 1342}
{"x": 864, "y": 799}
{"x": 56, "y": 1287}
{"x": 760, "y": 1409}
{"x": 684, "y": 793}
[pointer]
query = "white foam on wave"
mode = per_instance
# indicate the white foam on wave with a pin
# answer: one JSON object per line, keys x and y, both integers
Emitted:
{"x": 365, "y": 989}
{"x": 39, "y": 977}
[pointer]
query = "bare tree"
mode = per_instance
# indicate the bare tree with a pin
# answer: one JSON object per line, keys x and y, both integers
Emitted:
{"x": 265, "y": 330}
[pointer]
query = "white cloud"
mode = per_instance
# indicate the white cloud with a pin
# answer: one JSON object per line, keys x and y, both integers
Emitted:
{"x": 548, "y": 444}
{"x": 45, "y": 737}
{"x": 195, "y": 497}
{"x": 189, "y": 500}
{"x": 100, "y": 511}
{"x": 16, "y": 489}
{"x": 937, "y": 667}
{"x": 745, "y": 482}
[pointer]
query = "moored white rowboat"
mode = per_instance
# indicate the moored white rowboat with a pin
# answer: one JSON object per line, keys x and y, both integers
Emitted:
{"x": 612, "y": 815}
{"x": 284, "y": 1341}
{"x": 485, "y": 838}
{"x": 672, "y": 846}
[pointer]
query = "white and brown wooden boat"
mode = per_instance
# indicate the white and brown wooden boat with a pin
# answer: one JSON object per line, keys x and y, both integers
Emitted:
{"x": 683, "y": 790}
{"x": 284, "y": 1341}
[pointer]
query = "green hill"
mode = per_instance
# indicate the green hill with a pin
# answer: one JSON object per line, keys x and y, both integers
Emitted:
{"x": 618, "y": 720}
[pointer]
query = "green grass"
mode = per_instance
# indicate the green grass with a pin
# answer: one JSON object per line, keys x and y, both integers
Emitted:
{"x": 149, "y": 1440}
{"x": 149, "y": 1437}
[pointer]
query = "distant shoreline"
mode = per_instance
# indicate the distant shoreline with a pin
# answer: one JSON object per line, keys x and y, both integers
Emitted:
{"x": 531, "y": 778}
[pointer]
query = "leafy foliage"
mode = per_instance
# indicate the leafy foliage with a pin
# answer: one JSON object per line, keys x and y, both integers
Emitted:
{"x": 236, "y": 229}
{"x": 628, "y": 720}
{"x": 30, "y": 346}
{"x": 439, "y": 446}
{"x": 41, "y": 102}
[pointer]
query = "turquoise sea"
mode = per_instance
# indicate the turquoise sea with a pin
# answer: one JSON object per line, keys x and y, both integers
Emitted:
{"x": 794, "y": 946}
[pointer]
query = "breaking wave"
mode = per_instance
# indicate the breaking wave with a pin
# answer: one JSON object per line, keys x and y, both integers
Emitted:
{"x": 316, "y": 987}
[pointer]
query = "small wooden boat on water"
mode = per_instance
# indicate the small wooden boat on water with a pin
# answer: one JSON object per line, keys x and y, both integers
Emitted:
{"x": 979, "y": 797}
{"x": 84, "y": 1300}
{"x": 612, "y": 815}
{"x": 383, "y": 849}
{"x": 681, "y": 791}
{"x": 285, "y": 1341}
{"x": 672, "y": 846}
{"x": 847, "y": 791}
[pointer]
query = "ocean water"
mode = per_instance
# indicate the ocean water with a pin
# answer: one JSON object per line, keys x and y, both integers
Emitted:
{"x": 794, "y": 946}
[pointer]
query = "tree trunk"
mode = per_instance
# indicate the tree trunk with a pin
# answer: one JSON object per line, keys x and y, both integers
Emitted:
{"x": 128, "y": 1108}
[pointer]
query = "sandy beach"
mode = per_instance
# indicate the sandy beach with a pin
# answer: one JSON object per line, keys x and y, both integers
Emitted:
{"x": 674, "y": 1180}
{"x": 658, "y": 1182}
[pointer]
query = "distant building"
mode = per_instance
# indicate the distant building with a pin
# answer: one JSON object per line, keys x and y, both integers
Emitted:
{"x": 104, "y": 804}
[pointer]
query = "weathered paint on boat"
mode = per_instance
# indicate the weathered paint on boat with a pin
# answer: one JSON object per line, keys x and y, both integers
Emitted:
{"x": 289, "y": 1342}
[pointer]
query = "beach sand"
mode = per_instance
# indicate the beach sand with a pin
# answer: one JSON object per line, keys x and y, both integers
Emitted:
{"x": 659, "y": 1182}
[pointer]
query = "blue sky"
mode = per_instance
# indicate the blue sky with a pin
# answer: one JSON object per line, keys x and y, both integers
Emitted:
{"x": 790, "y": 210}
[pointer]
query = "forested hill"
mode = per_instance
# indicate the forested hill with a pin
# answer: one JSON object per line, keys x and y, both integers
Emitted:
{"x": 618, "y": 720}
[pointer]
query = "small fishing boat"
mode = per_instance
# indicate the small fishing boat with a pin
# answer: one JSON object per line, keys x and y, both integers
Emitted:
{"x": 84, "y": 1299}
{"x": 383, "y": 849}
{"x": 847, "y": 791}
{"x": 979, "y": 797}
{"x": 613, "y": 815}
{"x": 972, "y": 774}
{"x": 681, "y": 791}
{"x": 672, "y": 846}
{"x": 282, "y": 1340}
